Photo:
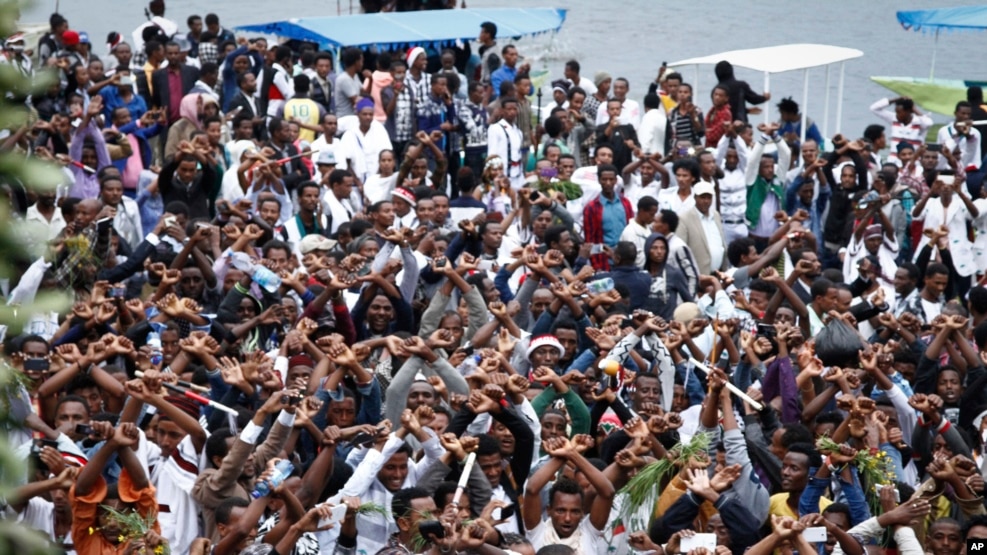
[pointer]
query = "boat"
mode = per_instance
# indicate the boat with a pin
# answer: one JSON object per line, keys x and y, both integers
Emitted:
{"x": 788, "y": 57}
{"x": 932, "y": 94}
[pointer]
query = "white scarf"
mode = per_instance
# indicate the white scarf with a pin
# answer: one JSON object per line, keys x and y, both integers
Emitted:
{"x": 574, "y": 541}
{"x": 340, "y": 213}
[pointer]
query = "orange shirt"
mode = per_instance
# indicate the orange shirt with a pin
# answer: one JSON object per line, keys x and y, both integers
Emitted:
{"x": 85, "y": 509}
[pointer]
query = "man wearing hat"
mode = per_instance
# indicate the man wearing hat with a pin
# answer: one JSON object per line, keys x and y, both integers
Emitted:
{"x": 875, "y": 235}
{"x": 72, "y": 50}
{"x": 701, "y": 228}
{"x": 316, "y": 244}
{"x": 418, "y": 80}
{"x": 560, "y": 94}
{"x": 361, "y": 145}
{"x": 404, "y": 203}
{"x": 13, "y": 54}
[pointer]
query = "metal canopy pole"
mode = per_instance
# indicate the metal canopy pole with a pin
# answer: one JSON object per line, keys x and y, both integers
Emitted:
{"x": 767, "y": 88}
{"x": 935, "y": 46}
{"x": 839, "y": 99}
{"x": 805, "y": 102}
{"x": 826, "y": 109}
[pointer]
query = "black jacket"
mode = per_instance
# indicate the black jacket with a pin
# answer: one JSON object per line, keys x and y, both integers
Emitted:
{"x": 161, "y": 96}
{"x": 198, "y": 196}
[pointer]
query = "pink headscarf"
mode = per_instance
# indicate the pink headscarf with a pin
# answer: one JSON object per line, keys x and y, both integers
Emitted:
{"x": 190, "y": 107}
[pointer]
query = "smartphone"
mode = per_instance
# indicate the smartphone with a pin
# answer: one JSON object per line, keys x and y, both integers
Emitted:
{"x": 814, "y": 534}
{"x": 291, "y": 400}
{"x": 202, "y": 225}
{"x": 506, "y": 512}
{"x": 338, "y": 514}
{"x": 596, "y": 248}
{"x": 42, "y": 443}
{"x": 118, "y": 292}
{"x": 766, "y": 330}
{"x": 103, "y": 224}
{"x": 468, "y": 348}
{"x": 36, "y": 365}
{"x": 84, "y": 429}
{"x": 947, "y": 179}
{"x": 533, "y": 197}
{"x": 933, "y": 147}
{"x": 435, "y": 528}
{"x": 170, "y": 221}
{"x": 440, "y": 263}
{"x": 485, "y": 265}
{"x": 706, "y": 541}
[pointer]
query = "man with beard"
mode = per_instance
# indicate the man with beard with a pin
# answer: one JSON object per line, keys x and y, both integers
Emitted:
{"x": 234, "y": 461}
{"x": 567, "y": 522}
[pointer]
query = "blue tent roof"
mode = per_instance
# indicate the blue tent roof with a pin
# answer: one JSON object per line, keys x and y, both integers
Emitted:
{"x": 423, "y": 28}
{"x": 965, "y": 18}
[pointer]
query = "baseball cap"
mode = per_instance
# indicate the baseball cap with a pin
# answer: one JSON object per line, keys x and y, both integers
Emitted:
{"x": 70, "y": 38}
{"x": 703, "y": 188}
{"x": 315, "y": 242}
{"x": 83, "y": 37}
{"x": 326, "y": 158}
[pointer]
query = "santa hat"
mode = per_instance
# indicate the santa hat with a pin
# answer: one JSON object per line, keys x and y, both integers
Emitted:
{"x": 413, "y": 54}
{"x": 404, "y": 194}
{"x": 543, "y": 340}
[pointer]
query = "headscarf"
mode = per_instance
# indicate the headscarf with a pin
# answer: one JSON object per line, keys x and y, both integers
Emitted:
{"x": 189, "y": 108}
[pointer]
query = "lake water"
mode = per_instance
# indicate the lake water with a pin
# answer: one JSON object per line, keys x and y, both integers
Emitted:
{"x": 630, "y": 38}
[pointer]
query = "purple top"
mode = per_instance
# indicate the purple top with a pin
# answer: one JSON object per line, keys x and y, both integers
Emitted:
{"x": 86, "y": 184}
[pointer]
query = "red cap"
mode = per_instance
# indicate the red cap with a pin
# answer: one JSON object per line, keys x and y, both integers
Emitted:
{"x": 70, "y": 38}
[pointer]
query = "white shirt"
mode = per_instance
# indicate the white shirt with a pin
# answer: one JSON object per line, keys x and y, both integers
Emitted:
{"x": 282, "y": 80}
{"x": 51, "y": 228}
{"x": 955, "y": 218}
{"x": 714, "y": 238}
{"x": 377, "y": 188}
{"x": 637, "y": 234}
{"x": 669, "y": 199}
{"x": 127, "y": 222}
{"x": 634, "y": 191}
{"x": 969, "y": 145}
{"x": 585, "y": 84}
{"x": 912, "y": 132}
{"x": 630, "y": 113}
{"x": 321, "y": 144}
{"x": 39, "y": 514}
{"x": 504, "y": 139}
{"x": 590, "y": 541}
{"x": 652, "y": 132}
{"x": 364, "y": 149}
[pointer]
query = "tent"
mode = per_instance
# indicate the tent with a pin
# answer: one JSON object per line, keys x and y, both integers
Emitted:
{"x": 435, "y": 29}
{"x": 788, "y": 57}
{"x": 937, "y": 95}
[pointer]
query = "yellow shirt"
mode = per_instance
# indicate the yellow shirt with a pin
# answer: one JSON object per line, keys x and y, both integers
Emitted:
{"x": 779, "y": 505}
{"x": 306, "y": 111}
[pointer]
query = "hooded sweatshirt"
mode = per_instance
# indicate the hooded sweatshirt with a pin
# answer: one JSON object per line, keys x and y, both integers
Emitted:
{"x": 668, "y": 284}
{"x": 739, "y": 91}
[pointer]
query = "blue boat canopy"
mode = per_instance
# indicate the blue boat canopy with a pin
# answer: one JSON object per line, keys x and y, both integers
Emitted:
{"x": 964, "y": 18}
{"x": 434, "y": 29}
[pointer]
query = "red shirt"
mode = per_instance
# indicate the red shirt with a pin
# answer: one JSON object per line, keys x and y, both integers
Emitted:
{"x": 174, "y": 95}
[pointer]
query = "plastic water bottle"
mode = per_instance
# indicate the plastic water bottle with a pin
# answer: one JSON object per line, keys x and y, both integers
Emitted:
{"x": 260, "y": 274}
{"x": 266, "y": 278}
{"x": 600, "y": 286}
{"x": 281, "y": 472}
{"x": 154, "y": 342}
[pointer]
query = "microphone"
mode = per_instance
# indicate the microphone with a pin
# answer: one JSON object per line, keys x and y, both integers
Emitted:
{"x": 611, "y": 368}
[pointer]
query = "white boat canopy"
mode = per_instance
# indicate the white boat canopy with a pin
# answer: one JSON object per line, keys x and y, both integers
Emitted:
{"x": 788, "y": 57}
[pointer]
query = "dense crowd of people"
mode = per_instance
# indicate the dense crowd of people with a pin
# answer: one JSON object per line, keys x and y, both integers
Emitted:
{"x": 391, "y": 307}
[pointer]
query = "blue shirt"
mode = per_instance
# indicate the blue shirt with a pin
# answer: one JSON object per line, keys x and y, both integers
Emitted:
{"x": 614, "y": 219}
{"x": 502, "y": 74}
{"x": 112, "y": 100}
